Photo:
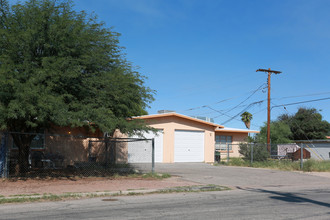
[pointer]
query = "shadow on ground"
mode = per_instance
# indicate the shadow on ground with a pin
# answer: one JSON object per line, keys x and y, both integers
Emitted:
{"x": 288, "y": 197}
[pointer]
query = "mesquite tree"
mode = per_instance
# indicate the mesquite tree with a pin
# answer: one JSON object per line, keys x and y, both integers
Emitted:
{"x": 65, "y": 68}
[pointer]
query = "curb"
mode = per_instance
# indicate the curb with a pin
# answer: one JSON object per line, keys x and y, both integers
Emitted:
{"x": 50, "y": 197}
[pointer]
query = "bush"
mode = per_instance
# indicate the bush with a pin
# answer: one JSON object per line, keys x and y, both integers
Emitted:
{"x": 260, "y": 152}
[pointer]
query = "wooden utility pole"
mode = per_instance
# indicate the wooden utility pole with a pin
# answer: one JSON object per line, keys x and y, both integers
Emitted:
{"x": 269, "y": 71}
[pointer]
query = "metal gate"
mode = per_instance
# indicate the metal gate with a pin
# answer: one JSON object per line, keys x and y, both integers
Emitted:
{"x": 140, "y": 153}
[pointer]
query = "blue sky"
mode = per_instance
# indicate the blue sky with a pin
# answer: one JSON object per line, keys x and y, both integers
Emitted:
{"x": 201, "y": 56}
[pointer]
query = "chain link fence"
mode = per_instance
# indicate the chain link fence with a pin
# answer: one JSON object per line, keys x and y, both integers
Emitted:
{"x": 261, "y": 152}
{"x": 55, "y": 155}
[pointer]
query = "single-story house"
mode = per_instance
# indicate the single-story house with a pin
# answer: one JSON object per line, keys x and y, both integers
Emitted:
{"x": 187, "y": 139}
{"x": 180, "y": 139}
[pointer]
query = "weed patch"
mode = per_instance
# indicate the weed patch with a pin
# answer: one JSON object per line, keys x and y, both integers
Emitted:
{"x": 287, "y": 165}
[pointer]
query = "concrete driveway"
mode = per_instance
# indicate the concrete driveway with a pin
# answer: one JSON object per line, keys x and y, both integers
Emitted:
{"x": 243, "y": 177}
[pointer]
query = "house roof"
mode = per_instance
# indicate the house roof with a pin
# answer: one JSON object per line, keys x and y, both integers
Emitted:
{"x": 174, "y": 114}
{"x": 235, "y": 130}
{"x": 219, "y": 128}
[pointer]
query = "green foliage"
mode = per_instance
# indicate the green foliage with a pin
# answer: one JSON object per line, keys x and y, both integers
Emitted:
{"x": 288, "y": 165}
{"x": 62, "y": 67}
{"x": 260, "y": 152}
{"x": 280, "y": 133}
{"x": 246, "y": 117}
{"x": 156, "y": 175}
{"x": 306, "y": 124}
{"x": 237, "y": 161}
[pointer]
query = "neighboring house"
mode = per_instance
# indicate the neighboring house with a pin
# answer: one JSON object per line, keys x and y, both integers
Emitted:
{"x": 319, "y": 149}
{"x": 186, "y": 139}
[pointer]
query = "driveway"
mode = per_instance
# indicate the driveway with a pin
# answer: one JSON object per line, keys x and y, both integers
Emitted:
{"x": 243, "y": 177}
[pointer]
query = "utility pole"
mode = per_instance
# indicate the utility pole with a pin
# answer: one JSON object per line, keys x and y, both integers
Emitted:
{"x": 269, "y": 71}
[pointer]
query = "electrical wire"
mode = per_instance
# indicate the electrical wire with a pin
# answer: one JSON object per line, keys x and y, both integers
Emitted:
{"x": 297, "y": 96}
{"x": 260, "y": 87}
{"x": 245, "y": 109}
{"x": 224, "y": 100}
{"x": 295, "y": 103}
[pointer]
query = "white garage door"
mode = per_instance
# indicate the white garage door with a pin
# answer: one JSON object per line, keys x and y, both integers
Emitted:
{"x": 141, "y": 151}
{"x": 189, "y": 146}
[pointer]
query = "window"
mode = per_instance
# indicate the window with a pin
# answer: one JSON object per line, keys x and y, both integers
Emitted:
{"x": 38, "y": 142}
{"x": 223, "y": 142}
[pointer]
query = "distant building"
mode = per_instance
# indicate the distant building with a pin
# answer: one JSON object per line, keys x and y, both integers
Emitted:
{"x": 285, "y": 149}
{"x": 319, "y": 149}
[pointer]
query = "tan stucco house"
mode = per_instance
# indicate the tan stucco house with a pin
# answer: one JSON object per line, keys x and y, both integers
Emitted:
{"x": 180, "y": 139}
{"x": 186, "y": 139}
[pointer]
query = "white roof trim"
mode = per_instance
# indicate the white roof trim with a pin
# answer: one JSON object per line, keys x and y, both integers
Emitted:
{"x": 226, "y": 129}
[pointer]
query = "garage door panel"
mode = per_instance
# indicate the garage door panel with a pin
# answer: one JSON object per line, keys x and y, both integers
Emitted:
{"x": 140, "y": 151}
{"x": 189, "y": 146}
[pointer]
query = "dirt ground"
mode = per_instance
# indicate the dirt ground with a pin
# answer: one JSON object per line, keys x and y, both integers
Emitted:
{"x": 97, "y": 184}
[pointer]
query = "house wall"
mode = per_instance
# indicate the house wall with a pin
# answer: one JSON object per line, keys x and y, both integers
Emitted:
{"x": 237, "y": 139}
{"x": 121, "y": 148}
{"x": 72, "y": 144}
{"x": 171, "y": 123}
{"x": 318, "y": 150}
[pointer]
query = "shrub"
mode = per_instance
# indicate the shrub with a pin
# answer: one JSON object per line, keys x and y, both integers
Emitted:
{"x": 260, "y": 152}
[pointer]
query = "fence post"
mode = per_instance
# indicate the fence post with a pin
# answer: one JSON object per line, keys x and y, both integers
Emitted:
{"x": 251, "y": 153}
{"x": 227, "y": 153}
{"x": 89, "y": 149}
{"x": 4, "y": 155}
{"x": 301, "y": 156}
{"x": 153, "y": 156}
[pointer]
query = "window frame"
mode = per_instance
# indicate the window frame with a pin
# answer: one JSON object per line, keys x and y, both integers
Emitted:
{"x": 34, "y": 142}
{"x": 222, "y": 142}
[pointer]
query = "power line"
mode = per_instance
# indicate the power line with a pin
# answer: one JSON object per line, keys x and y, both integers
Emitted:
{"x": 285, "y": 97}
{"x": 295, "y": 103}
{"x": 247, "y": 97}
{"x": 231, "y": 117}
{"x": 245, "y": 109}
{"x": 297, "y": 96}
{"x": 224, "y": 100}
{"x": 224, "y": 110}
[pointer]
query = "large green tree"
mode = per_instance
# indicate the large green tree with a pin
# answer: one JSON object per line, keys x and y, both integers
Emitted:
{"x": 62, "y": 67}
{"x": 280, "y": 133}
{"x": 306, "y": 124}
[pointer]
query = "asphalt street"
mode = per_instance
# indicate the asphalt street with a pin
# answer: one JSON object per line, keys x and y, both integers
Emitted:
{"x": 256, "y": 194}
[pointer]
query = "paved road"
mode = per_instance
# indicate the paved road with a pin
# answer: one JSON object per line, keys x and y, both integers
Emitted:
{"x": 234, "y": 204}
{"x": 243, "y": 176}
{"x": 259, "y": 194}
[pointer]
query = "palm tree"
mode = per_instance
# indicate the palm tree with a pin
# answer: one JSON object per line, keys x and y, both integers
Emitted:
{"x": 246, "y": 117}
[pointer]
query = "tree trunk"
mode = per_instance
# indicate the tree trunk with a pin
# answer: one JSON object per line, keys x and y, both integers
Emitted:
{"x": 247, "y": 124}
{"x": 23, "y": 142}
{"x": 23, "y": 158}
